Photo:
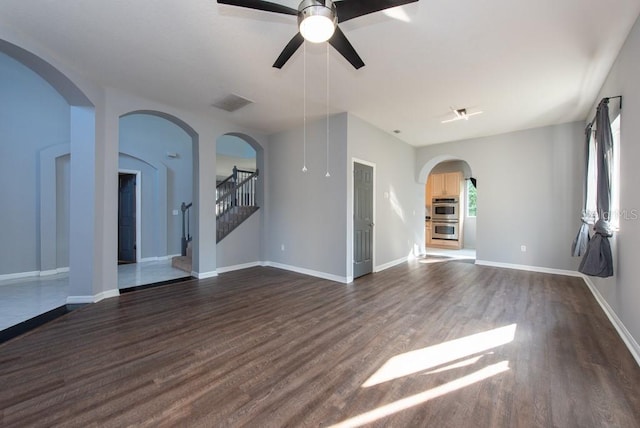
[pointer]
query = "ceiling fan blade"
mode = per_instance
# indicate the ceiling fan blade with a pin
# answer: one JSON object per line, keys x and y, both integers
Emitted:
{"x": 349, "y": 9}
{"x": 289, "y": 50}
{"x": 261, "y": 5}
{"x": 341, "y": 44}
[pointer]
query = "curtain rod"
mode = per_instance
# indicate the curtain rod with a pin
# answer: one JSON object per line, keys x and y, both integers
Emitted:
{"x": 613, "y": 98}
{"x": 605, "y": 98}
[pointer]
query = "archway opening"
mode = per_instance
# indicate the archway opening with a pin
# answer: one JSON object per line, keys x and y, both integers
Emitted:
{"x": 450, "y": 209}
{"x": 239, "y": 159}
{"x": 46, "y": 117}
{"x": 156, "y": 191}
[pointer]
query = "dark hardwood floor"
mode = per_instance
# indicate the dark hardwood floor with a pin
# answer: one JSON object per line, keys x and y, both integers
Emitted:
{"x": 445, "y": 344}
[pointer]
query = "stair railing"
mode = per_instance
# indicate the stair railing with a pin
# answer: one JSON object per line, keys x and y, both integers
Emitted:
{"x": 237, "y": 190}
{"x": 186, "y": 228}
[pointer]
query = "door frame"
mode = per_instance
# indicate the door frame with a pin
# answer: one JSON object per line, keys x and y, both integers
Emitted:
{"x": 355, "y": 160}
{"x": 138, "y": 175}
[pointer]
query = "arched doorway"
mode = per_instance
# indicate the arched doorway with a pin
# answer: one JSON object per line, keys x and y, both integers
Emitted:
{"x": 244, "y": 246}
{"x": 155, "y": 189}
{"x": 46, "y": 118}
{"x": 450, "y": 208}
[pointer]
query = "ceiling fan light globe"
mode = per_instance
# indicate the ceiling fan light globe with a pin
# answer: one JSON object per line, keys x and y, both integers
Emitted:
{"x": 317, "y": 28}
{"x": 317, "y": 20}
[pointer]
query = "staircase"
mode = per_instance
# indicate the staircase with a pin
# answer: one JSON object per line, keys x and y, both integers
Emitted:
{"x": 235, "y": 202}
{"x": 184, "y": 260}
{"x": 232, "y": 219}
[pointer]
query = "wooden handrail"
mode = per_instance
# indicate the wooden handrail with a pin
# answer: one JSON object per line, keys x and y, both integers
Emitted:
{"x": 240, "y": 193}
{"x": 237, "y": 186}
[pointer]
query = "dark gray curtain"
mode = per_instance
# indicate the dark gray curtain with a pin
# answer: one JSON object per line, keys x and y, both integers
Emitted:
{"x": 598, "y": 261}
{"x": 579, "y": 246}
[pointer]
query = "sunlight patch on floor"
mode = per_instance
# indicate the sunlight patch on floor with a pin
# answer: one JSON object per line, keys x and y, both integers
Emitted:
{"x": 427, "y": 358}
{"x": 423, "y": 397}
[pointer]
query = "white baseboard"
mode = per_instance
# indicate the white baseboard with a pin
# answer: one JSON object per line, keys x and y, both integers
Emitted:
{"x": 204, "y": 275}
{"x": 623, "y": 332}
{"x": 19, "y": 275}
{"x": 529, "y": 268}
{"x": 106, "y": 295}
{"x": 35, "y": 273}
{"x": 54, "y": 271}
{"x": 390, "y": 264}
{"x": 77, "y": 300}
{"x": 317, "y": 274}
{"x": 225, "y": 269}
{"x": 626, "y": 336}
{"x": 157, "y": 259}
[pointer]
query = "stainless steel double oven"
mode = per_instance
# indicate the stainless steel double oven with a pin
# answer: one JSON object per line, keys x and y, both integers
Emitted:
{"x": 445, "y": 218}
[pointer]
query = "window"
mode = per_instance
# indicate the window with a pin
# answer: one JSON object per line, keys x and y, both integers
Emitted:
{"x": 615, "y": 176}
{"x": 592, "y": 181}
{"x": 471, "y": 194}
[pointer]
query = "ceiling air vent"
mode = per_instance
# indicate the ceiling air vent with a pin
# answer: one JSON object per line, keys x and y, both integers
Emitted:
{"x": 231, "y": 103}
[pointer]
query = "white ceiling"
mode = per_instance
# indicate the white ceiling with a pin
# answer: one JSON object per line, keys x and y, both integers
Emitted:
{"x": 524, "y": 63}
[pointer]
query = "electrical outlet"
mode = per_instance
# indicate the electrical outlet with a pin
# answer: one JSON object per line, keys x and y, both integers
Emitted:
{"x": 523, "y": 248}
{"x": 281, "y": 247}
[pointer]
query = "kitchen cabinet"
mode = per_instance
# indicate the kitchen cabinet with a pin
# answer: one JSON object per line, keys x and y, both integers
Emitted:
{"x": 445, "y": 184}
{"x": 427, "y": 197}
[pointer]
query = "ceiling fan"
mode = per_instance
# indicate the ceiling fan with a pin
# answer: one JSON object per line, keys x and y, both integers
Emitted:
{"x": 461, "y": 114}
{"x": 317, "y": 22}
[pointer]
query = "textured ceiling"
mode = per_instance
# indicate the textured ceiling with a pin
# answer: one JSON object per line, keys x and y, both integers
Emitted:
{"x": 524, "y": 63}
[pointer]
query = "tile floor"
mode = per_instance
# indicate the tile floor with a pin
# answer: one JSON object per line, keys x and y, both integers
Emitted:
{"x": 25, "y": 298}
{"x": 465, "y": 253}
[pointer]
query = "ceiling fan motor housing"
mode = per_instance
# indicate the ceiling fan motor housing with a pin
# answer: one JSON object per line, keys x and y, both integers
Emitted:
{"x": 309, "y": 8}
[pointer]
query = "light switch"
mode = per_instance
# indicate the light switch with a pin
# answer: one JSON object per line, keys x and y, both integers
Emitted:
{"x": 175, "y": 212}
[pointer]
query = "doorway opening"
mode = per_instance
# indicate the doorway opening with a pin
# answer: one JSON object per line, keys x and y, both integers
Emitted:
{"x": 450, "y": 210}
{"x": 128, "y": 217}
{"x": 160, "y": 147}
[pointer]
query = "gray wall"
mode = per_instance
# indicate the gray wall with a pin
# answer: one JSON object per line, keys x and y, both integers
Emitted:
{"x": 399, "y": 198}
{"x": 306, "y": 212}
{"x": 33, "y": 116}
{"x": 167, "y": 181}
{"x": 311, "y": 215}
{"x": 529, "y": 192}
{"x": 622, "y": 291}
{"x": 243, "y": 245}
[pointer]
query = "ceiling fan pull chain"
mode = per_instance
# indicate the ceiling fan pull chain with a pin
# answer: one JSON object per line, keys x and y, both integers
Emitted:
{"x": 327, "y": 174}
{"x": 304, "y": 108}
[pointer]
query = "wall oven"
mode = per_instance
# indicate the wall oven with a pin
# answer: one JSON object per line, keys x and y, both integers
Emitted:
{"x": 445, "y": 230}
{"x": 445, "y": 209}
